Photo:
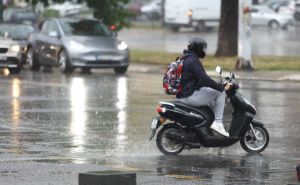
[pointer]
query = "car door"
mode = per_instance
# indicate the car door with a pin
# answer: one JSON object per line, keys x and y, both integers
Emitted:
{"x": 257, "y": 16}
{"x": 40, "y": 42}
{"x": 265, "y": 17}
{"x": 53, "y": 43}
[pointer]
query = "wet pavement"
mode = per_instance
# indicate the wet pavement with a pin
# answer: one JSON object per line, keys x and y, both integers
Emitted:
{"x": 265, "y": 41}
{"x": 54, "y": 126}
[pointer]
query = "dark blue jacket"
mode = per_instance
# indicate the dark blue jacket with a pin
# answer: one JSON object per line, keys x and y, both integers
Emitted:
{"x": 194, "y": 76}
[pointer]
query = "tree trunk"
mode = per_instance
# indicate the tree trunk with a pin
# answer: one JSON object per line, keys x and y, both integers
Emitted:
{"x": 228, "y": 29}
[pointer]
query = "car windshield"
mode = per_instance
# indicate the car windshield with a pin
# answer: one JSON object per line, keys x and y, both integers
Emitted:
{"x": 17, "y": 32}
{"x": 25, "y": 15}
{"x": 85, "y": 28}
{"x": 265, "y": 9}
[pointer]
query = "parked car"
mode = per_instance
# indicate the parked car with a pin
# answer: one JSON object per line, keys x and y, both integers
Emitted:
{"x": 134, "y": 7}
{"x": 153, "y": 10}
{"x": 264, "y": 16}
{"x": 13, "y": 45}
{"x": 77, "y": 43}
{"x": 297, "y": 11}
{"x": 19, "y": 15}
{"x": 283, "y": 6}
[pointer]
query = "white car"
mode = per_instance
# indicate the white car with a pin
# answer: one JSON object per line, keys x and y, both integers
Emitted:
{"x": 153, "y": 9}
{"x": 264, "y": 16}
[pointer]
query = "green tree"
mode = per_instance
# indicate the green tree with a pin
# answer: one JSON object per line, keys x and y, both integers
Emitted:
{"x": 111, "y": 12}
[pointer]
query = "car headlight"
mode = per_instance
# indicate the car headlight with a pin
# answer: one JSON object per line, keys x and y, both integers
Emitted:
{"x": 76, "y": 45}
{"x": 122, "y": 46}
{"x": 15, "y": 48}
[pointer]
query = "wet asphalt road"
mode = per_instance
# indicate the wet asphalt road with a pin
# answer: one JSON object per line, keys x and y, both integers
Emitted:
{"x": 265, "y": 41}
{"x": 55, "y": 126}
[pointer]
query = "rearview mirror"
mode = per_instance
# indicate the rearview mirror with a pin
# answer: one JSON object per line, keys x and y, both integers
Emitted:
{"x": 219, "y": 70}
{"x": 232, "y": 76}
{"x": 7, "y": 35}
{"x": 53, "y": 34}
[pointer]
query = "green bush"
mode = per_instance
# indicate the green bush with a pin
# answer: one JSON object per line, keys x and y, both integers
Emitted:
{"x": 50, "y": 13}
{"x": 262, "y": 63}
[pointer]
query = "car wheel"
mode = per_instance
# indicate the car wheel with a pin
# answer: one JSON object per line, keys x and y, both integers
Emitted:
{"x": 120, "y": 70}
{"x": 200, "y": 26}
{"x": 273, "y": 24}
{"x": 297, "y": 16}
{"x": 63, "y": 62}
{"x": 32, "y": 61}
{"x": 86, "y": 70}
{"x": 14, "y": 70}
{"x": 175, "y": 28}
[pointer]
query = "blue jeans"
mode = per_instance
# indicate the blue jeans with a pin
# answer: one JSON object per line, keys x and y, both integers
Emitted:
{"x": 210, "y": 97}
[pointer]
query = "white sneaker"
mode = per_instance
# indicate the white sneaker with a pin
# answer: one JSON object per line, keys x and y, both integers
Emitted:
{"x": 219, "y": 127}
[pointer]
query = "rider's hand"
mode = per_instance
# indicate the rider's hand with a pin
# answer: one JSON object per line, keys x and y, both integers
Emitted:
{"x": 228, "y": 86}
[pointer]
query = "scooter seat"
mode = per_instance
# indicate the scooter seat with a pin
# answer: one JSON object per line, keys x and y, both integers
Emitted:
{"x": 208, "y": 113}
{"x": 180, "y": 104}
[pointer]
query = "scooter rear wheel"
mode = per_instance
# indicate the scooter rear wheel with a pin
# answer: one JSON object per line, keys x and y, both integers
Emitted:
{"x": 252, "y": 145}
{"x": 166, "y": 145}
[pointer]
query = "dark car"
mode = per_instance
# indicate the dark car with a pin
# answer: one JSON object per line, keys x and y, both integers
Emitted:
{"x": 13, "y": 45}
{"x": 297, "y": 11}
{"x": 20, "y": 15}
{"x": 77, "y": 43}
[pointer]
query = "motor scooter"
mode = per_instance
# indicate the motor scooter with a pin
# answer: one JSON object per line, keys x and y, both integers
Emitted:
{"x": 189, "y": 127}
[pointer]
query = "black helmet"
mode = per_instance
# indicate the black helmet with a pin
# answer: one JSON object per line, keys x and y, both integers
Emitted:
{"x": 198, "y": 46}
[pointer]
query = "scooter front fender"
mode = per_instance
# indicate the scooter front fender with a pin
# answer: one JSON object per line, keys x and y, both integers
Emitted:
{"x": 256, "y": 122}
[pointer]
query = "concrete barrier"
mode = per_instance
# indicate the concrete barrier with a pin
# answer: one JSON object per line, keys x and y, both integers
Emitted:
{"x": 107, "y": 178}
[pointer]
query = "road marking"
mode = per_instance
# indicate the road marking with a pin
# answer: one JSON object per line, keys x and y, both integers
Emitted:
{"x": 127, "y": 168}
{"x": 185, "y": 177}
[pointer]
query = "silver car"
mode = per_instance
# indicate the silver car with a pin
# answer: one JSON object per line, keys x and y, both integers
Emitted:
{"x": 264, "y": 16}
{"x": 13, "y": 45}
{"x": 77, "y": 43}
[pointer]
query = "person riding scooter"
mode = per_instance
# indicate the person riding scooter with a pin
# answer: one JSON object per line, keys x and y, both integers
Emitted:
{"x": 198, "y": 89}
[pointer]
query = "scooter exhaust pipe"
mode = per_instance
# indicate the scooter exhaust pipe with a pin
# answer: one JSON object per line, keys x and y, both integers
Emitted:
{"x": 175, "y": 136}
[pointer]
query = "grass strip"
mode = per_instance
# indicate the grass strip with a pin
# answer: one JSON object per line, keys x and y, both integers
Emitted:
{"x": 261, "y": 63}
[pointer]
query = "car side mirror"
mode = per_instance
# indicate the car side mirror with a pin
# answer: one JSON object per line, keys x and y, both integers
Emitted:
{"x": 7, "y": 35}
{"x": 53, "y": 34}
{"x": 219, "y": 70}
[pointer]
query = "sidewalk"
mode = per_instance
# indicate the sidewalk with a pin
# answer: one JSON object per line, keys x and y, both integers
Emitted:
{"x": 253, "y": 75}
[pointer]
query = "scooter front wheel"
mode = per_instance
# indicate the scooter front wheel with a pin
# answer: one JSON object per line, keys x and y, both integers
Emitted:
{"x": 256, "y": 140}
{"x": 166, "y": 144}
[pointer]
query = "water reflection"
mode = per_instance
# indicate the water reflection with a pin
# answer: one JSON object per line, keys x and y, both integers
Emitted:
{"x": 121, "y": 105}
{"x": 78, "y": 108}
{"x": 248, "y": 169}
{"x": 15, "y": 115}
